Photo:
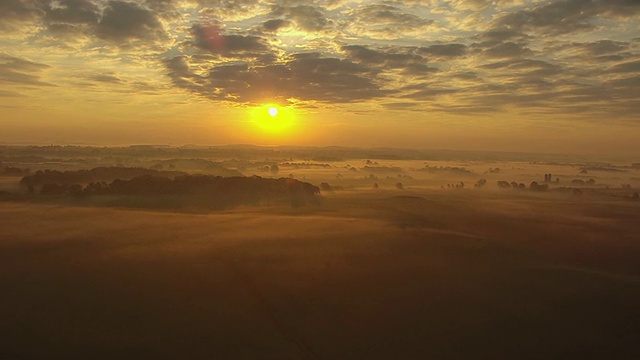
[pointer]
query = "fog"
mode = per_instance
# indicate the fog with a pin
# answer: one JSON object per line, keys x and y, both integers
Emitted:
{"x": 431, "y": 270}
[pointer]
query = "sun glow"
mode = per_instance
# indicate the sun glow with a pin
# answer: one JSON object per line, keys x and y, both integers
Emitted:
{"x": 273, "y": 122}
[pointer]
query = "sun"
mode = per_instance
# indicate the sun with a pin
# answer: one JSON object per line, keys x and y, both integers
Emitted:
{"x": 273, "y": 121}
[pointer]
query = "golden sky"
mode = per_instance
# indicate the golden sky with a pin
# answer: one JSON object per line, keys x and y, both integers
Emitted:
{"x": 517, "y": 75}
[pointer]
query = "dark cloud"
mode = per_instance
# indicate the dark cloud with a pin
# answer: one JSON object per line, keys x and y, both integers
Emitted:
{"x": 603, "y": 47}
{"x": 608, "y": 58}
{"x": 506, "y": 50}
{"x": 15, "y": 12}
{"x": 307, "y": 76}
{"x": 389, "y": 21}
{"x": 106, "y": 78}
{"x": 18, "y": 71}
{"x": 385, "y": 14}
{"x": 445, "y": 50}
{"x": 223, "y": 10}
{"x": 418, "y": 69}
{"x": 274, "y": 25}
{"x": 566, "y": 16}
{"x": 427, "y": 91}
{"x": 390, "y": 58}
{"x": 124, "y": 21}
{"x": 211, "y": 39}
{"x": 400, "y": 105}
{"x": 524, "y": 67}
{"x": 6, "y": 93}
{"x": 73, "y": 12}
{"x": 494, "y": 37}
{"x": 627, "y": 67}
{"x": 467, "y": 76}
{"x": 386, "y": 58}
{"x": 306, "y": 17}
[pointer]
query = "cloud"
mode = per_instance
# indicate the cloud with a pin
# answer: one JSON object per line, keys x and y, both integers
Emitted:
{"x": 274, "y": 25}
{"x": 211, "y": 39}
{"x": 306, "y": 17}
{"x": 566, "y": 16}
{"x": 475, "y": 5}
{"x": 603, "y": 47}
{"x": 8, "y": 93}
{"x": 445, "y": 50}
{"x": 535, "y": 56}
{"x": 106, "y": 78}
{"x": 627, "y": 67}
{"x": 123, "y": 22}
{"x": 229, "y": 10}
{"x": 21, "y": 72}
{"x": 494, "y": 37}
{"x": 73, "y": 12}
{"x": 307, "y": 77}
{"x": 386, "y": 21}
{"x": 383, "y": 58}
{"x": 14, "y": 13}
{"x": 506, "y": 50}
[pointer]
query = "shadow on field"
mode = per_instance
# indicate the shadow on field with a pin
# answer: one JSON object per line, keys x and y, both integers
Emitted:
{"x": 364, "y": 276}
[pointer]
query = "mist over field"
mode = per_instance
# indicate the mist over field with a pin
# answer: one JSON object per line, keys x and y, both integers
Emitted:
{"x": 403, "y": 255}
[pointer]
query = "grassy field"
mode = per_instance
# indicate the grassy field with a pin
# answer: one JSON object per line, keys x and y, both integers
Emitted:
{"x": 387, "y": 274}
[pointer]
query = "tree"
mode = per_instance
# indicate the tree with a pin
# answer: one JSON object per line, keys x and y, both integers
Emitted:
{"x": 481, "y": 183}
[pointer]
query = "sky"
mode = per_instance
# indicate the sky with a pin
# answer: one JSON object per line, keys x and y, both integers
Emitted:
{"x": 508, "y": 75}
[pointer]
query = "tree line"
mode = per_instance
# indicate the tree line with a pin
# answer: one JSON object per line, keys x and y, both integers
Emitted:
{"x": 207, "y": 190}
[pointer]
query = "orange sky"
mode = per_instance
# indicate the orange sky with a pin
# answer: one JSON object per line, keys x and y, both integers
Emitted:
{"x": 515, "y": 75}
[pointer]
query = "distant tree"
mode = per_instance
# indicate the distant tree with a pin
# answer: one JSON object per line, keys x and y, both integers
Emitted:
{"x": 274, "y": 169}
{"x": 325, "y": 187}
{"x": 375, "y": 185}
{"x": 538, "y": 187}
{"x": 480, "y": 183}
{"x": 503, "y": 184}
{"x": 399, "y": 186}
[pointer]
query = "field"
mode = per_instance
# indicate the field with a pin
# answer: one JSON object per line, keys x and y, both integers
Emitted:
{"x": 427, "y": 271}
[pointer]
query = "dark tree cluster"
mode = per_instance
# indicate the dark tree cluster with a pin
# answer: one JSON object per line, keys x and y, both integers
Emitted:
{"x": 480, "y": 183}
{"x": 208, "y": 190}
{"x": 94, "y": 175}
{"x": 511, "y": 185}
{"x": 447, "y": 169}
{"x": 534, "y": 186}
{"x": 459, "y": 185}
